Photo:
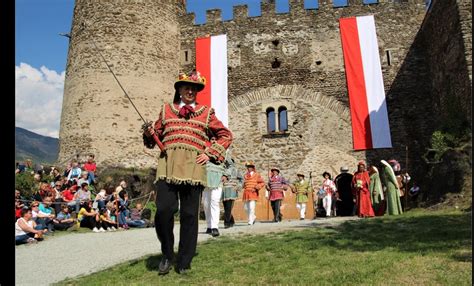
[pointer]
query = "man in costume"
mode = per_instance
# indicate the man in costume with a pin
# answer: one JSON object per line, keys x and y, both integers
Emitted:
{"x": 302, "y": 190}
{"x": 360, "y": 190}
{"x": 253, "y": 182}
{"x": 183, "y": 127}
{"x": 329, "y": 188}
{"x": 345, "y": 205}
{"x": 376, "y": 193}
{"x": 276, "y": 186}
{"x": 211, "y": 196}
{"x": 232, "y": 182}
{"x": 394, "y": 205}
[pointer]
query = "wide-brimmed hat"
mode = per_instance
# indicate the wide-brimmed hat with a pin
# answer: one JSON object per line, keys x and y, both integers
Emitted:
{"x": 300, "y": 174}
{"x": 344, "y": 169}
{"x": 194, "y": 78}
{"x": 275, "y": 169}
{"x": 326, "y": 173}
{"x": 250, "y": 163}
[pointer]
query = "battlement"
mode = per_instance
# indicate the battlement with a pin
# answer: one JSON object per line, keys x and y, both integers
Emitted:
{"x": 272, "y": 8}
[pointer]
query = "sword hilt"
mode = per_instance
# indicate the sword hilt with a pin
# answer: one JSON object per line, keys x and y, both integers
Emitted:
{"x": 145, "y": 127}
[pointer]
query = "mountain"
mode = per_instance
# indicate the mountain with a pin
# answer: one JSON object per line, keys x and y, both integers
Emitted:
{"x": 40, "y": 149}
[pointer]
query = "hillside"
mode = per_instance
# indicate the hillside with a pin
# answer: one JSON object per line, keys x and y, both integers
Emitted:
{"x": 40, "y": 149}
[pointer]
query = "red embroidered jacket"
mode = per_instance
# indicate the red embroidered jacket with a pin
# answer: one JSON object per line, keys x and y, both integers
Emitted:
{"x": 193, "y": 133}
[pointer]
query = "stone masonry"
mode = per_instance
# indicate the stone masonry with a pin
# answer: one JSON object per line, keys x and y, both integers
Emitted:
{"x": 292, "y": 60}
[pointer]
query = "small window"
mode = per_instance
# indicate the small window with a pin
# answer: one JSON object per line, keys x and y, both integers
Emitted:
{"x": 389, "y": 60}
{"x": 271, "y": 120}
{"x": 282, "y": 119}
{"x": 186, "y": 56}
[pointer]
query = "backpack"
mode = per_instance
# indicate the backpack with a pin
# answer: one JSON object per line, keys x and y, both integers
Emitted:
{"x": 146, "y": 214}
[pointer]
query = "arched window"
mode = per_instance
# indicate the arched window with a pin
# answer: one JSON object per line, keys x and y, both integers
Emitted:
{"x": 282, "y": 119}
{"x": 271, "y": 126}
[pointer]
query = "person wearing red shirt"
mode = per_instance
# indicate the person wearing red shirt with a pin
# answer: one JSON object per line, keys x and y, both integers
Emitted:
{"x": 90, "y": 167}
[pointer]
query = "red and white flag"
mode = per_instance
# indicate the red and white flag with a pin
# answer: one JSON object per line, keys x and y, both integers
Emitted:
{"x": 211, "y": 62}
{"x": 370, "y": 127}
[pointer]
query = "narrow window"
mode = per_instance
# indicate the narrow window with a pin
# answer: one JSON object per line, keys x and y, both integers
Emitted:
{"x": 186, "y": 56}
{"x": 270, "y": 120}
{"x": 388, "y": 57}
{"x": 282, "y": 119}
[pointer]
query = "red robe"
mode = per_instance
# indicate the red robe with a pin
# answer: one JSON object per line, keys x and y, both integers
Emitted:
{"x": 360, "y": 190}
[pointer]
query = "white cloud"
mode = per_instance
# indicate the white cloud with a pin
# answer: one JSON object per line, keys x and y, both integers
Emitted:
{"x": 38, "y": 99}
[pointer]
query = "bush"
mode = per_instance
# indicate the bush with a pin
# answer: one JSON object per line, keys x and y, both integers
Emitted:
{"x": 25, "y": 183}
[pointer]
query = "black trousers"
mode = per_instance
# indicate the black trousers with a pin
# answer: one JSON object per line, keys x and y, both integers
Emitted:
{"x": 166, "y": 206}
{"x": 276, "y": 210}
{"x": 228, "y": 217}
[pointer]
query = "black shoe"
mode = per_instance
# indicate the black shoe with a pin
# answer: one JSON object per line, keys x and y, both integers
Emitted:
{"x": 301, "y": 218}
{"x": 164, "y": 267}
{"x": 208, "y": 231}
{"x": 183, "y": 271}
{"x": 215, "y": 232}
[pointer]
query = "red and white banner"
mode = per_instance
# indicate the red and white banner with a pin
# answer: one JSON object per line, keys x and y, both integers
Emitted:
{"x": 211, "y": 62}
{"x": 370, "y": 127}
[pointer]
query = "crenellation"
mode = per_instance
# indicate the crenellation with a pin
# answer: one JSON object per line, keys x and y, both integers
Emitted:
{"x": 213, "y": 16}
{"x": 241, "y": 13}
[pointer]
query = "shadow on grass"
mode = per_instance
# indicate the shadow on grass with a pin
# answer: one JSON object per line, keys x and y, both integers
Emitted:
{"x": 418, "y": 234}
{"x": 152, "y": 262}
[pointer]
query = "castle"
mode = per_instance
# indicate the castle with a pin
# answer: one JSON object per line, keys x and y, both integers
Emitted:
{"x": 285, "y": 62}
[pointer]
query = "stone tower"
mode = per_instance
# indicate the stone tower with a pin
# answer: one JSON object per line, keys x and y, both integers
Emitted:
{"x": 140, "y": 41}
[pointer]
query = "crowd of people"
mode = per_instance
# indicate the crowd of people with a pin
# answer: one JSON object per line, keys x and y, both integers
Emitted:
{"x": 69, "y": 200}
{"x": 365, "y": 193}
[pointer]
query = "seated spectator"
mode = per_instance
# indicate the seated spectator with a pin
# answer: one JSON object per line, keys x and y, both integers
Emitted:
{"x": 83, "y": 193}
{"x": 63, "y": 220}
{"x": 45, "y": 214}
{"x": 75, "y": 171}
{"x": 69, "y": 196}
{"x": 100, "y": 199}
{"x": 58, "y": 196}
{"x": 67, "y": 170}
{"x": 45, "y": 191}
{"x": 89, "y": 218}
{"x": 122, "y": 207}
{"x": 83, "y": 178}
{"x": 136, "y": 216}
{"x": 56, "y": 175}
{"x": 121, "y": 187}
{"x": 20, "y": 168}
{"x": 106, "y": 221}
{"x": 111, "y": 211}
{"x": 18, "y": 204}
{"x": 29, "y": 166}
{"x": 26, "y": 230}
{"x": 90, "y": 167}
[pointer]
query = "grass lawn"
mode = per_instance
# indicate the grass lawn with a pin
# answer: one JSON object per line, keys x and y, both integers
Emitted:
{"x": 417, "y": 248}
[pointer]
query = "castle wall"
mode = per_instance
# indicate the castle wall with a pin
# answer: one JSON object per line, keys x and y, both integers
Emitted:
{"x": 307, "y": 46}
{"x": 139, "y": 40}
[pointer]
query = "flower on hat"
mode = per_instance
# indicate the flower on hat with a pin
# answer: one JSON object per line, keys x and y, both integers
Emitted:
{"x": 194, "y": 78}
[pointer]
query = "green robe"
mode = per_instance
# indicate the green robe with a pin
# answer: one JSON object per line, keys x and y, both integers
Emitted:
{"x": 394, "y": 205}
{"x": 376, "y": 194}
{"x": 302, "y": 191}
